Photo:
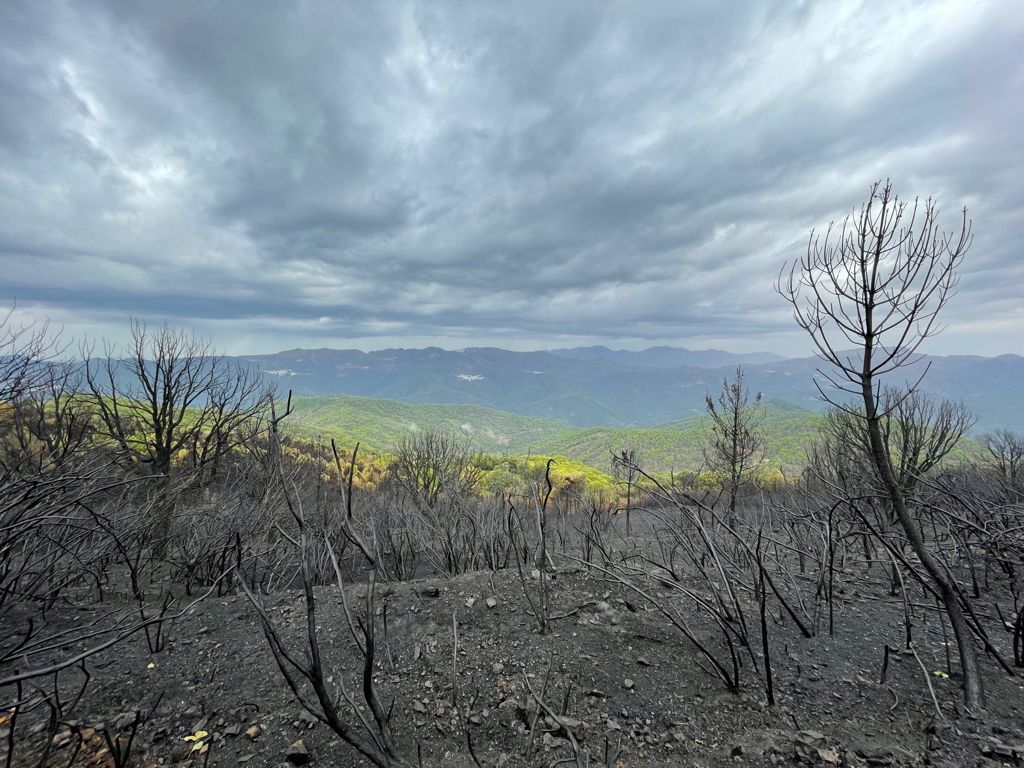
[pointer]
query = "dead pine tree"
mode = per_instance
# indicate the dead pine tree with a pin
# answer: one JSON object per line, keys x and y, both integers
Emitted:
{"x": 168, "y": 393}
{"x": 735, "y": 435}
{"x": 877, "y": 283}
{"x": 624, "y": 469}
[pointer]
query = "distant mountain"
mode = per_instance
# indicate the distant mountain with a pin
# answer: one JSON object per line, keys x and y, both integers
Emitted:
{"x": 590, "y": 391}
{"x": 669, "y": 357}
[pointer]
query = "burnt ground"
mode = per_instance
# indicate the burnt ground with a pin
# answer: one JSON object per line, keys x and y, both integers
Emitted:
{"x": 617, "y": 666}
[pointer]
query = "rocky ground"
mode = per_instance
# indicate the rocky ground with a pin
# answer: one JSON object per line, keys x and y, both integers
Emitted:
{"x": 625, "y": 681}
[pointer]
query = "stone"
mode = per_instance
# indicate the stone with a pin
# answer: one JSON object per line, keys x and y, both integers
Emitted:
{"x": 573, "y": 725}
{"x": 628, "y": 684}
{"x": 430, "y": 592}
{"x": 553, "y": 742}
{"x": 298, "y": 754}
{"x": 829, "y": 756}
{"x": 492, "y": 603}
{"x": 997, "y": 750}
{"x": 253, "y": 732}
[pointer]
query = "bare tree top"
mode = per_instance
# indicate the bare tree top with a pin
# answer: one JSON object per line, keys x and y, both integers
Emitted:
{"x": 875, "y": 282}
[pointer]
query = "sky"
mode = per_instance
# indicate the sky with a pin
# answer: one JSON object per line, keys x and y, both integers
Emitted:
{"x": 525, "y": 175}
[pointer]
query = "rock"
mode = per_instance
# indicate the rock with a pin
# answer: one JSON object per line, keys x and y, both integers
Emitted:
{"x": 576, "y": 727}
{"x": 62, "y": 739}
{"x": 535, "y": 574}
{"x": 627, "y": 684}
{"x": 418, "y": 706}
{"x": 430, "y": 592}
{"x": 232, "y": 730}
{"x": 298, "y": 754}
{"x": 553, "y": 742}
{"x": 828, "y": 756}
{"x": 810, "y": 746}
{"x": 883, "y": 753}
{"x": 253, "y": 732}
{"x": 875, "y": 755}
{"x": 492, "y": 603}
{"x": 643, "y": 662}
{"x": 497, "y": 667}
{"x": 1004, "y": 753}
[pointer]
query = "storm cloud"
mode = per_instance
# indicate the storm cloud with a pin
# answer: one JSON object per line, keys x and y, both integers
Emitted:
{"x": 519, "y": 174}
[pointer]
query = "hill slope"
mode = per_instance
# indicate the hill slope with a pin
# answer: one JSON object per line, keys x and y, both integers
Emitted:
{"x": 583, "y": 389}
{"x": 380, "y": 424}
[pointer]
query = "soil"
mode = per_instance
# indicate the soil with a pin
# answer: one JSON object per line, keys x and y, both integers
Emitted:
{"x": 616, "y": 666}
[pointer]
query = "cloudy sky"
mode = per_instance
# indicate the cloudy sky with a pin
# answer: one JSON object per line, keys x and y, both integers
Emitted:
{"x": 482, "y": 173}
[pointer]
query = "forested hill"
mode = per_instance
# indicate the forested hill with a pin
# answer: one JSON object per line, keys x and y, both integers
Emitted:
{"x": 596, "y": 387}
{"x": 380, "y": 424}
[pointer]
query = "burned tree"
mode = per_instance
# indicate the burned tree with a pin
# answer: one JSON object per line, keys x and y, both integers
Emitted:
{"x": 429, "y": 465}
{"x": 1005, "y": 453}
{"x": 624, "y": 469}
{"x": 171, "y": 402}
{"x": 49, "y": 425}
{"x": 735, "y": 435}
{"x": 172, "y": 394}
{"x": 878, "y": 283}
{"x": 24, "y": 352}
{"x": 918, "y": 433}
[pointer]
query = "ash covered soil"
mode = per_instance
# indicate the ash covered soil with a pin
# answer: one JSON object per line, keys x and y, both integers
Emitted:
{"x": 628, "y": 683}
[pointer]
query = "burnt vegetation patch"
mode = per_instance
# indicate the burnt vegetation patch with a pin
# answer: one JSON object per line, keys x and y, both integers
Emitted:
{"x": 183, "y": 582}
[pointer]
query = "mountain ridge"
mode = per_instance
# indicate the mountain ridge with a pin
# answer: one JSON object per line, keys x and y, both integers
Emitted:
{"x": 591, "y": 392}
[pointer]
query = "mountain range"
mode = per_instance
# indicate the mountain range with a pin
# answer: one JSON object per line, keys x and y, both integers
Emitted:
{"x": 599, "y": 387}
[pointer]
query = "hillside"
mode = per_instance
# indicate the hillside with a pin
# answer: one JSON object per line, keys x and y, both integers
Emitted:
{"x": 592, "y": 387}
{"x": 679, "y": 445}
{"x": 380, "y": 424}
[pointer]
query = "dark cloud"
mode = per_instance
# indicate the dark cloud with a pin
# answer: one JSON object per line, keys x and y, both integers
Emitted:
{"x": 521, "y": 174}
